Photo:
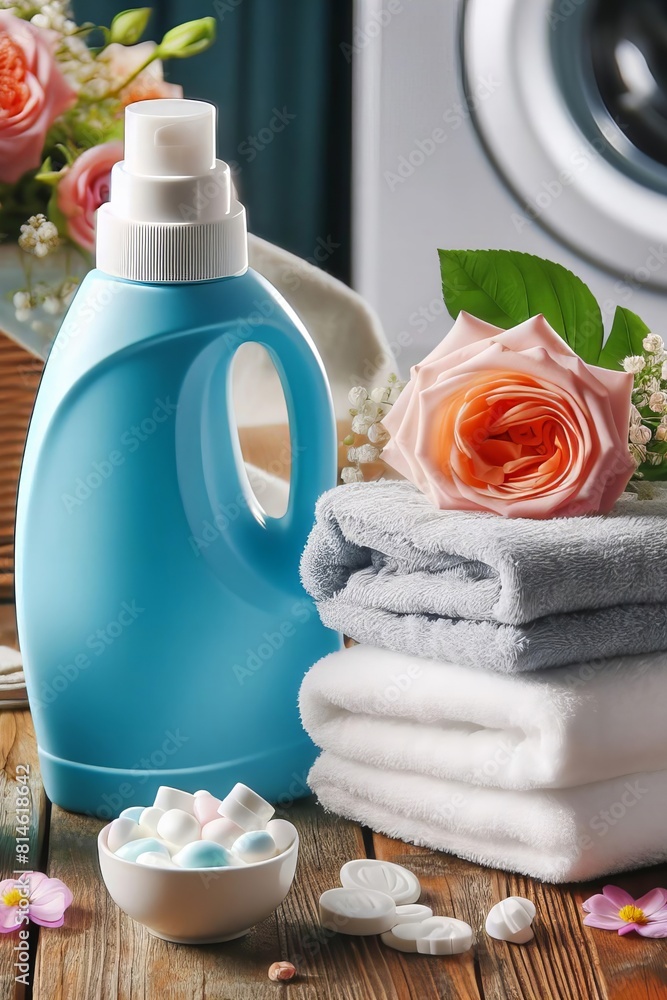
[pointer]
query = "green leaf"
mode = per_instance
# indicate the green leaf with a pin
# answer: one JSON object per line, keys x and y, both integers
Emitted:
{"x": 128, "y": 26}
{"x": 46, "y": 174}
{"x": 505, "y": 287}
{"x": 625, "y": 338}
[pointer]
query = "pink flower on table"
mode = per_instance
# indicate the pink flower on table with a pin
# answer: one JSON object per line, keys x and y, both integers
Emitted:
{"x": 615, "y": 910}
{"x": 149, "y": 84}
{"x": 512, "y": 422}
{"x": 84, "y": 187}
{"x": 44, "y": 899}
{"x": 33, "y": 92}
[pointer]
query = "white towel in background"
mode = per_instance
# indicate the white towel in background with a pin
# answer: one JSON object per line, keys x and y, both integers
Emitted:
{"x": 572, "y": 834}
{"x": 12, "y": 680}
{"x": 546, "y": 729}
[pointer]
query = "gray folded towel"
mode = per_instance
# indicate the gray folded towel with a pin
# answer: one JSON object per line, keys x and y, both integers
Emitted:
{"x": 388, "y": 569}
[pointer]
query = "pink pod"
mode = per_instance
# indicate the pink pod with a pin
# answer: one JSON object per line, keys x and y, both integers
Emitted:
{"x": 206, "y": 807}
{"x": 222, "y": 831}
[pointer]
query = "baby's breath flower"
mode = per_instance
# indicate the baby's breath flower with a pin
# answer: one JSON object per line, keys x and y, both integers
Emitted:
{"x": 369, "y": 410}
{"x": 52, "y": 305}
{"x": 351, "y": 475}
{"x": 51, "y": 15}
{"x": 378, "y": 434}
{"x": 380, "y": 394}
{"x": 67, "y": 292}
{"x": 22, "y": 300}
{"x": 653, "y": 343}
{"x": 638, "y": 452}
{"x": 38, "y": 236}
{"x": 634, "y": 364}
{"x": 367, "y": 453}
{"x": 357, "y": 396}
{"x": 657, "y": 402}
{"x": 360, "y": 425}
{"x": 640, "y": 434}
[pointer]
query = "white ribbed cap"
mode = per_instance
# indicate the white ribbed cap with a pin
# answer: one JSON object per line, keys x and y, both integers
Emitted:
{"x": 173, "y": 213}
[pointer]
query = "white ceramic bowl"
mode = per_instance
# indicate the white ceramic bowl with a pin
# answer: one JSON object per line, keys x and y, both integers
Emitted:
{"x": 197, "y": 906}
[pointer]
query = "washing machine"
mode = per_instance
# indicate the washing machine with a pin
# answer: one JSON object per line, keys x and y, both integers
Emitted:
{"x": 534, "y": 125}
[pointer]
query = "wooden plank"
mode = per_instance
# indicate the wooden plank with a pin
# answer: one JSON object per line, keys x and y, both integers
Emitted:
{"x": 101, "y": 953}
{"x": 455, "y": 977}
{"x": 18, "y": 752}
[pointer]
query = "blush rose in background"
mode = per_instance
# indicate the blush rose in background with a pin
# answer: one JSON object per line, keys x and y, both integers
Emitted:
{"x": 512, "y": 422}
{"x": 62, "y": 104}
{"x": 84, "y": 187}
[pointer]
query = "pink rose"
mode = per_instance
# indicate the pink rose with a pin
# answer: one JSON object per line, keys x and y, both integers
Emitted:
{"x": 512, "y": 422}
{"x": 33, "y": 92}
{"x": 84, "y": 187}
{"x": 150, "y": 84}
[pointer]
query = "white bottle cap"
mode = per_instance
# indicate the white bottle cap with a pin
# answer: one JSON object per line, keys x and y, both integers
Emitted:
{"x": 173, "y": 213}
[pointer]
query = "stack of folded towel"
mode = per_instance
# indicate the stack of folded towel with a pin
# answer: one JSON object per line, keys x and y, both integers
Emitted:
{"x": 444, "y": 726}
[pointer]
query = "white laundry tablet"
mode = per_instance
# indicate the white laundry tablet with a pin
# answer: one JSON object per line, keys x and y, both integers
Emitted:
{"x": 433, "y": 936}
{"x": 511, "y": 919}
{"x": 412, "y": 913}
{"x": 357, "y": 911}
{"x": 383, "y": 876}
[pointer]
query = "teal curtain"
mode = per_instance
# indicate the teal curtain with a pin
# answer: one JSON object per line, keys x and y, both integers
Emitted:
{"x": 281, "y": 82}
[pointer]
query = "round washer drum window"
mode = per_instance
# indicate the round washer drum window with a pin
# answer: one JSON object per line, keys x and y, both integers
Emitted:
{"x": 611, "y": 60}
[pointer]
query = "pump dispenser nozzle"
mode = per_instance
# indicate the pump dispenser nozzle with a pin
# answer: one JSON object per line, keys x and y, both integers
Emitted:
{"x": 170, "y": 138}
{"x": 173, "y": 213}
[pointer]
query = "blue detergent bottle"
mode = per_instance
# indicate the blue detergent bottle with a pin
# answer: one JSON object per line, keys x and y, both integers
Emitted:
{"x": 161, "y": 617}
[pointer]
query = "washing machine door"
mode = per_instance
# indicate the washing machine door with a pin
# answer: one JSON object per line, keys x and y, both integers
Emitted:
{"x": 578, "y": 123}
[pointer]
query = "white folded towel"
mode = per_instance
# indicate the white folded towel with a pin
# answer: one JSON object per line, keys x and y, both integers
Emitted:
{"x": 546, "y": 729}
{"x": 567, "y": 835}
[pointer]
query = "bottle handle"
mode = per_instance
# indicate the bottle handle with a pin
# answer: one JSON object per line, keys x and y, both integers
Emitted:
{"x": 241, "y": 543}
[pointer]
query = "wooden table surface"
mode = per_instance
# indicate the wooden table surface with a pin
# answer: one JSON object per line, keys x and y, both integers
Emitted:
{"x": 101, "y": 954}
